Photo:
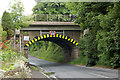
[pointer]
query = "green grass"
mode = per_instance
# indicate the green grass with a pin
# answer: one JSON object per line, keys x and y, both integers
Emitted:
{"x": 50, "y": 73}
{"x": 47, "y": 51}
{"x": 59, "y": 59}
{"x": 9, "y": 58}
{"x": 82, "y": 60}
{"x": 35, "y": 68}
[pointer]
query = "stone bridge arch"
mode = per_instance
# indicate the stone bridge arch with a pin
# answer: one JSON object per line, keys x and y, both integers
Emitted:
{"x": 67, "y": 36}
{"x": 69, "y": 45}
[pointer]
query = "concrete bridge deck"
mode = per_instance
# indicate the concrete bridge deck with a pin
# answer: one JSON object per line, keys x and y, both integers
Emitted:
{"x": 53, "y": 26}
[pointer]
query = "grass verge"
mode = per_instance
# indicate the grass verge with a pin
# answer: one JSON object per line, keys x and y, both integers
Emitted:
{"x": 34, "y": 68}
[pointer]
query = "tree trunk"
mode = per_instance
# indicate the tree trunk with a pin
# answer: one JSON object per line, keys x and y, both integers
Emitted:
{"x": 8, "y": 36}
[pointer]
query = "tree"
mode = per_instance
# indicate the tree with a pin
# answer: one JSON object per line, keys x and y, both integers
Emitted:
{"x": 109, "y": 37}
{"x": 7, "y": 23}
{"x": 17, "y": 10}
{"x": 50, "y": 8}
{"x": 56, "y": 11}
{"x": 102, "y": 41}
{"x": 73, "y": 7}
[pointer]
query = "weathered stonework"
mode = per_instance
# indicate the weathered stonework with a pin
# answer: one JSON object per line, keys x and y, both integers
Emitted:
{"x": 70, "y": 51}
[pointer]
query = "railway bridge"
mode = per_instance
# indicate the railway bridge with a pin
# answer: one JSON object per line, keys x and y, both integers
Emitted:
{"x": 64, "y": 34}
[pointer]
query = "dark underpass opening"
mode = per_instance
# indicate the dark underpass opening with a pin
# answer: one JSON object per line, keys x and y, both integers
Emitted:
{"x": 58, "y": 48}
{"x": 46, "y": 50}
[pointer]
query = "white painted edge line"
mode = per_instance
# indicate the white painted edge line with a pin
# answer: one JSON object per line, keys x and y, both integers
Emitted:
{"x": 97, "y": 68}
{"x": 47, "y": 75}
{"x": 99, "y": 75}
{"x": 43, "y": 72}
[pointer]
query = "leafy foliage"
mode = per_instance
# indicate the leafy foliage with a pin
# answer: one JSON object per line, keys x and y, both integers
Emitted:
{"x": 17, "y": 10}
{"x": 50, "y": 8}
{"x": 47, "y": 50}
{"x": 102, "y": 44}
{"x": 53, "y": 11}
{"x": 109, "y": 38}
{"x": 9, "y": 59}
{"x": 14, "y": 19}
{"x": 7, "y": 23}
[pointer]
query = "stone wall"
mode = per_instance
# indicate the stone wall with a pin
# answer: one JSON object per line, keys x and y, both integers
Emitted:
{"x": 73, "y": 34}
{"x": 68, "y": 53}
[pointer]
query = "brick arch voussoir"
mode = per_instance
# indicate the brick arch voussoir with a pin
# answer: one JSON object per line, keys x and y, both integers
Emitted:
{"x": 38, "y": 38}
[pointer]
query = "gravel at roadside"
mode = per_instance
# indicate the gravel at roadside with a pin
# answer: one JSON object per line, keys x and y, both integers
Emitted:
{"x": 39, "y": 73}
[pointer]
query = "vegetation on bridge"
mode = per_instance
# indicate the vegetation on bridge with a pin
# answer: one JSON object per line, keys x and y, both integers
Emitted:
{"x": 53, "y": 11}
{"x": 101, "y": 45}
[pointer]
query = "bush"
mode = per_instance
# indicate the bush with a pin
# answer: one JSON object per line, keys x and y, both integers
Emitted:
{"x": 46, "y": 50}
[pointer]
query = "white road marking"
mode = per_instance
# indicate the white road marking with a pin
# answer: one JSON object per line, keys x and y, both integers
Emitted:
{"x": 52, "y": 76}
{"x": 99, "y": 75}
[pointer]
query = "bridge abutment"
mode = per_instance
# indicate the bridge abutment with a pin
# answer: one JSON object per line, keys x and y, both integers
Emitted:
{"x": 65, "y": 28}
{"x": 74, "y": 53}
{"x": 67, "y": 54}
{"x": 70, "y": 54}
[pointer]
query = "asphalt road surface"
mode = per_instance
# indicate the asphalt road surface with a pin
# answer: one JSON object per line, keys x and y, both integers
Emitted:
{"x": 73, "y": 71}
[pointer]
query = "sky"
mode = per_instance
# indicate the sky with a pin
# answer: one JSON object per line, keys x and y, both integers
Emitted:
{"x": 28, "y": 5}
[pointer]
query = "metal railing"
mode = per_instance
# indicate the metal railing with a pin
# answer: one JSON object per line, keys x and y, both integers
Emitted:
{"x": 54, "y": 17}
